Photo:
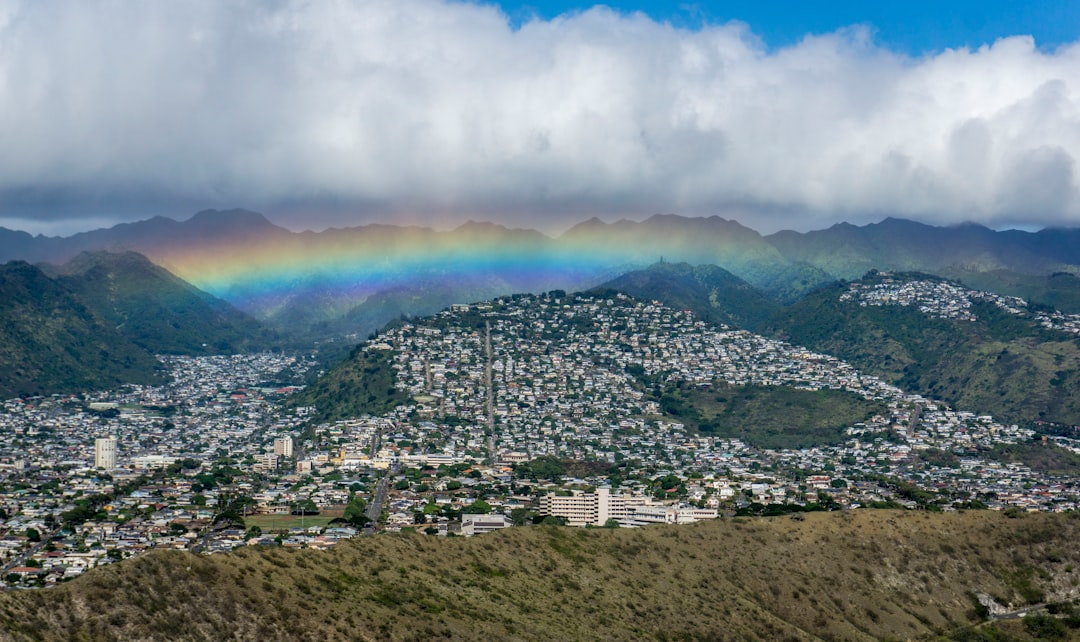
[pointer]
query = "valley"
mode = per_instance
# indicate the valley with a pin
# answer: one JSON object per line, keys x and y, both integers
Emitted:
{"x": 671, "y": 395}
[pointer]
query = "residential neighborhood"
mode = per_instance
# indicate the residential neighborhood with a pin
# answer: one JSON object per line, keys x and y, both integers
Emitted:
{"x": 526, "y": 409}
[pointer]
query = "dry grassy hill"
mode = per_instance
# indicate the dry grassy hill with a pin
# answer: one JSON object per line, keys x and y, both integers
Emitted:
{"x": 863, "y": 575}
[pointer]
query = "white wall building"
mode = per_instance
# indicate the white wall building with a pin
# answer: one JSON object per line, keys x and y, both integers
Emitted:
{"x": 595, "y": 509}
{"x": 479, "y": 524}
{"x": 581, "y": 509}
{"x": 283, "y": 446}
{"x": 105, "y": 453}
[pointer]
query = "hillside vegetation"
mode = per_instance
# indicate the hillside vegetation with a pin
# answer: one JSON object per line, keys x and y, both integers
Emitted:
{"x": 157, "y": 310}
{"x": 863, "y": 575}
{"x": 1000, "y": 364}
{"x": 715, "y": 295}
{"x": 362, "y": 384}
{"x": 773, "y": 417}
{"x": 1060, "y": 290}
{"x": 50, "y": 341}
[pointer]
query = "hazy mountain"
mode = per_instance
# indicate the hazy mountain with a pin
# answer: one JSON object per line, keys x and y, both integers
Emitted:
{"x": 848, "y": 251}
{"x": 712, "y": 241}
{"x": 152, "y": 237}
{"x": 326, "y": 281}
{"x": 712, "y": 293}
{"x": 1000, "y": 363}
{"x": 858, "y": 575}
{"x": 50, "y": 341}
{"x": 158, "y": 311}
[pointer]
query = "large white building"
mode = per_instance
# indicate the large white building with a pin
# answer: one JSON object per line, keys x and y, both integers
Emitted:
{"x": 595, "y": 509}
{"x": 105, "y": 453}
{"x": 583, "y": 509}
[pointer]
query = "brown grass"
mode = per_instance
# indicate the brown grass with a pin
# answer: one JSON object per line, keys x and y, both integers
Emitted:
{"x": 865, "y": 575}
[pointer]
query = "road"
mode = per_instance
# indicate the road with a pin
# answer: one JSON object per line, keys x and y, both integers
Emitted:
{"x": 490, "y": 393}
{"x": 20, "y": 559}
{"x": 377, "y": 501}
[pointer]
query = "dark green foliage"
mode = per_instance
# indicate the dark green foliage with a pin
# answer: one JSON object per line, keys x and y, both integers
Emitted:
{"x": 50, "y": 341}
{"x": 1059, "y": 291}
{"x": 714, "y": 295}
{"x": 1046, "y": 627}
{"x": 544, "y": 467}
{"x": 158, "y": 311}
{"x": 772, "y": 417}
{"x": 362, "y": 384}
{"x": 1047, "y": 458}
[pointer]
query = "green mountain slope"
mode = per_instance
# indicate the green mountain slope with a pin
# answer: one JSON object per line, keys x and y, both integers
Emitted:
{"x": 863, "y": 575}
{"x": 50, "y": 341}
{"x": 710, "y": 241}
{"x": 159, "y": 311}
{"x": 1000, "y": 363}
{"x": 712, "y": 293}
{"x": 361, "y": 384}
{"x": 774, "y": 417}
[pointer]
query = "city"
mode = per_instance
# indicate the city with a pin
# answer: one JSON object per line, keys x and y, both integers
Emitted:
{"x": 526, "y": 409}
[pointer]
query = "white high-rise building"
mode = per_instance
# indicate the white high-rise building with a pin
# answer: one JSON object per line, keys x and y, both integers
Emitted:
{"x": 105, "y": 453}
{"x": 283, "y": 446}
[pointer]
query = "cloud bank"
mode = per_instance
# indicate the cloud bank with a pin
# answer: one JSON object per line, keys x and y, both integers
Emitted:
{"x": 347, "y": 111}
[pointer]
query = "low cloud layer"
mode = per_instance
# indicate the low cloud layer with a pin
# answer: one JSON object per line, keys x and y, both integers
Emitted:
{"x": 348, "y": 111}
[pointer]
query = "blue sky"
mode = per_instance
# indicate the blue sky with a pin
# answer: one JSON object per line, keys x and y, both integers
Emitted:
{"x": 915, "y": 27}
{"x": 541, "y": 114}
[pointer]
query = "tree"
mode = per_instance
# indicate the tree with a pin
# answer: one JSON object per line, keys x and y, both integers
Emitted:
{"x": 33, "y": 535}
{"x": 355, "y": 512}
{"x": 521, "y": 516}
{"x": 304, "y": 507}
{"x": 1045, "y": 627}
{"x": 479, "y": 507}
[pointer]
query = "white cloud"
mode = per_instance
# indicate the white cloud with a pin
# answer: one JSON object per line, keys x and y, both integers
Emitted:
{"x": 417, "y": 108}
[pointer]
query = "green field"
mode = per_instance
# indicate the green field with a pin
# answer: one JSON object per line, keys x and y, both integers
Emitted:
{"x": 270, "y": 523}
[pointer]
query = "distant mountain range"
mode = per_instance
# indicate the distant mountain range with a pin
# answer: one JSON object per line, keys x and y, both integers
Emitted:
{"x": 343, "y": 284}
{"x": 353, "y": 280}
{"x": 98, "y": 320}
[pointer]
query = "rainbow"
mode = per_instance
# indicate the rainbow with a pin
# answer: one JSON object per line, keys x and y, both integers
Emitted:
{"x": 262, "y": 271}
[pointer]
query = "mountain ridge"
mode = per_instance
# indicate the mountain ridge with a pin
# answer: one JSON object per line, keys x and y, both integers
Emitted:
{"x": 98, "y": 321}
{"x": 51, "y": 342}
{"x": 857, "y": 575}
{"x": 265, "y": 269}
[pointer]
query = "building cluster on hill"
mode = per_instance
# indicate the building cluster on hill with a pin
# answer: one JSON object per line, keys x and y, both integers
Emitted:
{"x": 523, "y": 409}
{"x": 569, "y": 378}
{"x": 944, "y": 300}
